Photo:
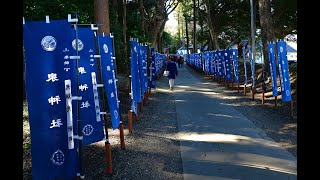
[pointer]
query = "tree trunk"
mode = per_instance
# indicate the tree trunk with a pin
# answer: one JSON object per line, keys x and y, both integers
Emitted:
{"x": 213, "y": 34}
{"x": 187, "y": 37}
{"x": 101, "y": 15}
{"x": 194, "y": 28}
{"x": 179, "y": 35}
{"x": 267, "y": 30}
{"x": 157, "y": 23}
{"x": 141, "y": 9}
{"x": 115, "y": 8}
{"x": 124, "y": 30}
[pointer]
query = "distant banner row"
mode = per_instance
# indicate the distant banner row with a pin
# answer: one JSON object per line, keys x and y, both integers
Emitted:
{"x": 67, "y": 65}
{"x": 224, "y": 63}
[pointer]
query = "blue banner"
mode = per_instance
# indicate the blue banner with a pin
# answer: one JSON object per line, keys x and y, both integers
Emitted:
{"x": 219, "y": 57}
{"x": 252, "y": 66}
{"x": 234, "y": 57}
{"x": 52, "y": 154}
{"x": 91, "y": 124}
{"x": 109, "y": 79}
{"x": 207, "y": 62}
{"x": 141, "y": 71}
{"x": 144, "y": 64}
{"x": 228, "y": 66}
{"x": 152, "y": 75}
{"x": 273, "y": 70}
{"x": 244, "y": 65}
{"x": 284, "y": 71}
{"x": 134, "y": 76}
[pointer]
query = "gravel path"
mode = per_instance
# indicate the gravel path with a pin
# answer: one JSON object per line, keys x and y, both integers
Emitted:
{"x": 277, "y": 122}
{"x": 153, "y": 152}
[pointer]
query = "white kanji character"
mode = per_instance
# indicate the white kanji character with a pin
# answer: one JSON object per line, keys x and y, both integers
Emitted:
{"x": 52, "y": 77}
{"x": 66, "y": 69}
{"x": 66, "y": 63}
{"x": 110, "y": 81}
{"x": 91, "y": 59}
{"x": 108, "y": 68}
{"x": 83, "y": 87}
{"x": 53, "y": 100}
{"x": 56, "y": 123}
{"x": 112, "y": 95}
{"x": 82, "y": 70}
{"x": 92, "y": 64}
{"x": 85, "y": 104}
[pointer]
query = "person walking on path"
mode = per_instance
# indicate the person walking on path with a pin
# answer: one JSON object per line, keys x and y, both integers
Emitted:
{"x": 180, "y": 61}
{"x": 173, "y": 72}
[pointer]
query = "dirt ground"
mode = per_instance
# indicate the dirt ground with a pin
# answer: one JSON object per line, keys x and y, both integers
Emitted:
{"x": 150, "y": 154}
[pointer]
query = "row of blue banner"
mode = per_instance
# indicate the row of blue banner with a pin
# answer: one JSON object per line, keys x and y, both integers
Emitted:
{"x": 62, "y": 88}
{"x": 220, "y": 63}
{"x": 224, "y": 63}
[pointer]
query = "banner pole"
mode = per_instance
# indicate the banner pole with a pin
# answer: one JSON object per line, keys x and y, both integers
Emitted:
{"x": 102, "y": 92}
{"x": 122, "y": 144}
{"x": 81, "y": 174}
{"x": 130, "y": 112}
{"x": 292, "y": 107}
{"x": 275, "y": 101}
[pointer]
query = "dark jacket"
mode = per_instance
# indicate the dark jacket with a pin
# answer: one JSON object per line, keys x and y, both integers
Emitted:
{"x": 173, "y": 70}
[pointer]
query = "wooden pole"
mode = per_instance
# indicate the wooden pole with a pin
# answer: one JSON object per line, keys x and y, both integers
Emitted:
{"x": 130, "y": 121}
{"x": 245, "y": 89}
{"x": 238, "y": 88}
{"x": 262, "y": 96}
{"x": 252, "y": 92}
{"x": 291, "y": 108}
{"x": 108, "y": 157}
{"x": 122, "y": 145}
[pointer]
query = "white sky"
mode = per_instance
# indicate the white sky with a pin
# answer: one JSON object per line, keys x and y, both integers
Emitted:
{"x": 171, "y": 24}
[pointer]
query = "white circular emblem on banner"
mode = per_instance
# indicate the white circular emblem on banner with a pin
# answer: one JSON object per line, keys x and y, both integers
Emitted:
{"x": 80, "y": 44}
{"x": 287, "y": 92}
{"x": 281, "y": 49}
{"x": 226, "y": 54}
{"x": 115, "y": 112}
{"x": 233, "y": 53}
{"x": 105, "y": 48}
{"x": 135, "y": 49}
{"x": 49, "y": 43}
{"x": 57, "y": 158}
{"x": 87, "y": 130}
{"x": 271, "y": 50}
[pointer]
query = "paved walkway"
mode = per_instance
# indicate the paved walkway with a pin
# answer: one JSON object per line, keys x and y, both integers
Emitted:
{"x": 216, "y": 141}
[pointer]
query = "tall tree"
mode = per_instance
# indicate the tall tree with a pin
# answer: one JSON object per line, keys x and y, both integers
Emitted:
{"x": 211, "y": 20}
{"x": 141, "y": 9}
{"x": 195, "y": 47}
{"x": 267, "y": 31}
{"x": 101, "y": 15}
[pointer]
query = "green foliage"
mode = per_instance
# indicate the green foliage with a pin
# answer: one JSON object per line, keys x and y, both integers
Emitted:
{"x": 36, "y": 10}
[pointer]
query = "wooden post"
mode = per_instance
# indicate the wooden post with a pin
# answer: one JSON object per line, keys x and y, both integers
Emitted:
{"x": 122, "y": 145}
{"x": 140, "y": 106}
{"x": 252, "y": 92}
{"x": 262, "y": 96}
{"x": 108, "y": 158}
{"x": 130, "y": 121}
{"x": 238, "y": 88}
{"x": 245, "y": 89}
{"x": 292, "y": 108}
